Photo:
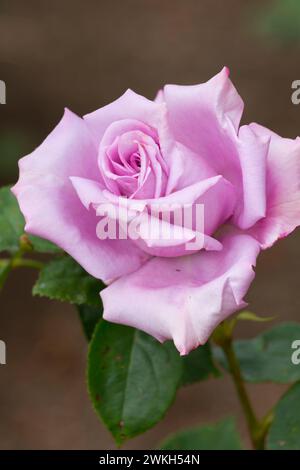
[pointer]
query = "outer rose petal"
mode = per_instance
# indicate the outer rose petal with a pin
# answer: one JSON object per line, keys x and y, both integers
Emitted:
{"x": 253, "y": 152}
{"x": 283, "y": 188}
{"x": 159, "y": 98}
{"x": 51, "y": 206}
{"x": 128, "y": 106}
{"x": 205, "y": 118}
{"x": 185, "y": 298}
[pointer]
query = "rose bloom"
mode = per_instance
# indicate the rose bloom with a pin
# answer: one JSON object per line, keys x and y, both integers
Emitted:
{"x": 186, "y": 147}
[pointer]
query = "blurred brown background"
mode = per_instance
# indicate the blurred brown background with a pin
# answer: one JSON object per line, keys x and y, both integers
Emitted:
{"x": 83, "y": 54}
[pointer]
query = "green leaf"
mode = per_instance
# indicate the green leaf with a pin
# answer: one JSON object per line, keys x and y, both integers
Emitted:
{"x": 284, "y": 432}
{"x": 198, "y": 365}
{"x": 132, "y": 378}
{"x": 268, "y": 356}
{"x": 63, "y": 279}
{"x": 89, "y": 317}
{"x": 11, "y": 221}
{"x": 220, "y": 436}
{"x": 12, "y": 226}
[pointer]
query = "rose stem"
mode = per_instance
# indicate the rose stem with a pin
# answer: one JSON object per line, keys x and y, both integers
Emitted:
{"x": 257, "y": 429}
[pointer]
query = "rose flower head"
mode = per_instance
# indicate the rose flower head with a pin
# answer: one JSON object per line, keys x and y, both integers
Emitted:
{"x": 112, "y": 189}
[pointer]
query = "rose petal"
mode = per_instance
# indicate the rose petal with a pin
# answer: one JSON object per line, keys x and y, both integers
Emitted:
{"x": 161, "y": 238}
{"x": 283, "y": 188}
{"x": 129, "y": 106}
{"x": 159, "y": 98}
{"x": 185, "y": 298}
{"x": 205, "y": 193}
{"x": 253, "y": 151}
{"x": 205, "y": 118}
{"x": 185, "y": 167}
{"x": 52, "y": 209}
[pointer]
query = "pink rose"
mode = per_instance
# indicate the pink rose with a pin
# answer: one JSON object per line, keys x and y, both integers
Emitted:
{"x": 186, "y": 147}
